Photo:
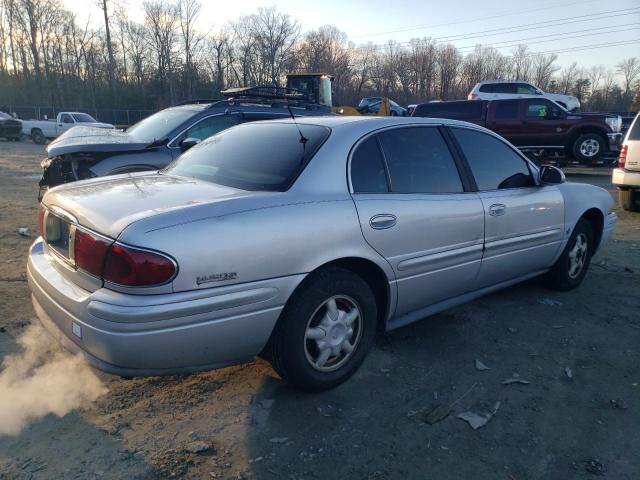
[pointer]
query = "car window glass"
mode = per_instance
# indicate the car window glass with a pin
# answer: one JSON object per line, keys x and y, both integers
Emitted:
{"x": 487, "y": 88}
{"x": 83, "y": 118}
{"x": 541, "y": 109}
{"x": 505, "y": 88}
{"x": 493, "y": 163}
{"x": 209, "y": 127}
{"x": 419, "y": 161}
{"x": 462, "y": 110}
{"x": 160, "y": 125}
{"x": 634, "y": 133}
{"x": 253, "y": 156}
{"x": 525, "y": 89}
{"x": 367, "y": 168}
{"x": 506, "y": 110}
{"x": 66, "y": 118}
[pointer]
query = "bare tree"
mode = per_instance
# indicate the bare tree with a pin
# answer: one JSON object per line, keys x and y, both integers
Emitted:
{"x": 630, "y": 71}
{"x": 161, "y": 20}
{"x": 543, "y": 69}
{"x": 189, "y": 11}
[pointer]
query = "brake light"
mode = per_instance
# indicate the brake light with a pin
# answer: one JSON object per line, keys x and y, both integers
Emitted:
{"x": 622, "y": 159}
{"x": 41, "y": 212}
{"x": 136, "y": 268}
{"x": 89, "y": 252}
{"x": 473, "y": 96}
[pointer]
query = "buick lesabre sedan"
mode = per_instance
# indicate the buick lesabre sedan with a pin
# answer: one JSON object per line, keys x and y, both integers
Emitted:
{"x": 298, "y": 242}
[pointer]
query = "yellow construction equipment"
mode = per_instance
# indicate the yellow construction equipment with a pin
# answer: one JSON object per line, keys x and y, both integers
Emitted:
{"x": 317, "y": 86}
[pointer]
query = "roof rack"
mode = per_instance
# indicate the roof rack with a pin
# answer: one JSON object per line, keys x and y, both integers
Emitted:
{"x": 267, "y": 93}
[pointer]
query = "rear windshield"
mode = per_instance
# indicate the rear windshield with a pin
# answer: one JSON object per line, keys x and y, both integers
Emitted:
{"x": 253, "y": 156}
{"x": 453, "y": 110}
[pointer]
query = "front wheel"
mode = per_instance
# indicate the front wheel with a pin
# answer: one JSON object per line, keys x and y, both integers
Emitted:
{"x": 325, "y": 330}
{"x": 627, "y": 199}
{"x": 588, "y": 147}
{"x": 570, "y": 269}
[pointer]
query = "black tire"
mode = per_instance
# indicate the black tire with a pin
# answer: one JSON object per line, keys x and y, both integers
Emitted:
{"x": 289, "y": 347}
{"x": 588, "y": 147}
{"x": 628, "y": 199}
{"x": 560, "y": 277}
{"x": 38, "y": 137}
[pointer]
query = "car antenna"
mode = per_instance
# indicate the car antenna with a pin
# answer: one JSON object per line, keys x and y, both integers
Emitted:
{"x": 303, "y": 139}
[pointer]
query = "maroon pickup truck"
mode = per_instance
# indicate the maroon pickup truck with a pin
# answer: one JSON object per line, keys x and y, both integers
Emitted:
{"x": 536, "y": 125}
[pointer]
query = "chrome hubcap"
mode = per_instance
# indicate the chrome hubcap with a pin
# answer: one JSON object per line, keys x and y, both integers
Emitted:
{"x": 589, "y": 148}
{"x": 578, "y": 255}
{"x": 333, "y": 333}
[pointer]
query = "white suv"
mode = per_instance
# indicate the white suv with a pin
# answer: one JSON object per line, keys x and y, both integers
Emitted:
{"x": 627, "y": 176}
{"x": 501, "y": 89}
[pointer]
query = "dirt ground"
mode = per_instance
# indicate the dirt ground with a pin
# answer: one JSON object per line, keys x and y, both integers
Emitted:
{"x": 243, "y": 422}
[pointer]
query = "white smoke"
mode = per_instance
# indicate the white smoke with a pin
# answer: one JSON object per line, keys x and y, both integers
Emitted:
{"x": 43, "y": 379}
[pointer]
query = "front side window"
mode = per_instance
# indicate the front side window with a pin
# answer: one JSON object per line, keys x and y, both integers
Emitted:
{"x": 541, "y": 109}
{"x": 252, "y": 156}
{"x": 419, "y": 161}
{"x": 367, "y": 168}
{"x": 209, "y": 127}
{"x": 494, "y": 164}
{"x": 525, "y": 89}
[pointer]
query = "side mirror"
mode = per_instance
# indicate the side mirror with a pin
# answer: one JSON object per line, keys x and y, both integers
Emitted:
{"x": 550, "y": 175}
{"x": 189, "y": 142}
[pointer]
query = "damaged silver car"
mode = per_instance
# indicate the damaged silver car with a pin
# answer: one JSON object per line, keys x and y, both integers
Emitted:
{"x": 300, "y": 241}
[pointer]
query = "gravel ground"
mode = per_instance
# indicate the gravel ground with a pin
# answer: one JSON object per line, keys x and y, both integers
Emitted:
{"x": 577, "y": 417}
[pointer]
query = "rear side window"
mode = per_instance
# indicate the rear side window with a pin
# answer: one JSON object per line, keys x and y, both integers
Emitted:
{"x": 487, "y": 88}
{"x": 498, "y": 88}
{"x": 252, "y": 156}
{"x": 367, "y": 168}
{"x": 419, "y": 161}
{"x": 471, "y": 110}
{"x": 506, "y": 110}
{"x": 493, "y": 163}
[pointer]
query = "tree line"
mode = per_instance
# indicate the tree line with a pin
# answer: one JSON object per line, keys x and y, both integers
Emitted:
{"x": 47, "y": 57}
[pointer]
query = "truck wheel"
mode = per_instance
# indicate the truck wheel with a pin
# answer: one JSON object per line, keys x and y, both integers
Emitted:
{"x": 588, "y": 147}
{"x": 570, "y": 269}
{"x": 325, "y": 330}
{"x": 627, "y": 199}
{"x": 38, "y": 136}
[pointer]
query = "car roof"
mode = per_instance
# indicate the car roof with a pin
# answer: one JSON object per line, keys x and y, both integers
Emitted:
{"x": 372, "y": 122}
{"x": 502, "y": 81}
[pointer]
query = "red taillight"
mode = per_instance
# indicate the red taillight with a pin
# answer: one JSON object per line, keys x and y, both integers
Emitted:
{"x": 89, "y": 252}
{"x": 622, "y": 159}
{"x": 472, "y": 96}
{"x": 41, "y": 211}
{"x": 136, "y": 268}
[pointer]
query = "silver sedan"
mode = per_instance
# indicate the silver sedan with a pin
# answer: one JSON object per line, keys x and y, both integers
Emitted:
{"x": 298, "y": 242}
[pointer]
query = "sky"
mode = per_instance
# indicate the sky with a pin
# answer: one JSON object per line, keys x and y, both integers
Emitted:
{"x": 594, "y": 31}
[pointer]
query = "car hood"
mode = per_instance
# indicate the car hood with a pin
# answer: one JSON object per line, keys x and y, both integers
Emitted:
{"x": 108, "y": 205}
{"x": 566, "y": 99}
{"x": 93, "y": 139}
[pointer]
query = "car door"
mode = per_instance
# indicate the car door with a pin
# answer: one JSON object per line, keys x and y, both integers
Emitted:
{"x": 504, "y": 118}
{"x": 66, "y": 122}
{"x": 544, "y": 123}
{"x": 524, "y": 221}
{"x": 415, "y": 212}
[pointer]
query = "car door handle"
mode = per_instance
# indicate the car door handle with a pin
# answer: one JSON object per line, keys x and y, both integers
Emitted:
{"x": 497, "y": 210}
{"x": 382, "y": 221}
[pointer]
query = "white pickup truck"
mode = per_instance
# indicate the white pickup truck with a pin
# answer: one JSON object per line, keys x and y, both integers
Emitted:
{"x": 41, "y": 130}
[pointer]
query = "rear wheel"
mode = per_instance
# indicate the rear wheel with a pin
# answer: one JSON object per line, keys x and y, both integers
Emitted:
{"x": 627, "y": 199}
{"x": 38, "y": 136}
{"x": 588, "y": 147}
{"x": 325, "y": 331}
{"x": 570, "y": 269}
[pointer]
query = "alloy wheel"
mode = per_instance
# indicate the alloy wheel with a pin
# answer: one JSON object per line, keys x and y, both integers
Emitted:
{"x": 578, "y": 255}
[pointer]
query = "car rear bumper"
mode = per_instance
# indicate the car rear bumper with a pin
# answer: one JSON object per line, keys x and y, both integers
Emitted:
{"x": 625, "y": 178}
{"x": 140, "y": 335}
